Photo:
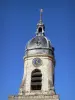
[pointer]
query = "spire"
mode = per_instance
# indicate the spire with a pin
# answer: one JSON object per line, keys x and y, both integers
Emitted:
{"x": 40, "y": 25}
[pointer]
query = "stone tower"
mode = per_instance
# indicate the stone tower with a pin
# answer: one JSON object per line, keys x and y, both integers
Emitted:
{"x": 39, "y": 65}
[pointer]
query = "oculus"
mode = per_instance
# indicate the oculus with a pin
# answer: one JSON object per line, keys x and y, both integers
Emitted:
{"x": 37, "y": 62}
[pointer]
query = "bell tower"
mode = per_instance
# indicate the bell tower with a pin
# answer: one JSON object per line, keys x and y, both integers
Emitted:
{"x": 39, "y": 65}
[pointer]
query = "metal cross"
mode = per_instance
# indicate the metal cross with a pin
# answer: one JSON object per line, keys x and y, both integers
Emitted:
{"x": 41, "y": 10}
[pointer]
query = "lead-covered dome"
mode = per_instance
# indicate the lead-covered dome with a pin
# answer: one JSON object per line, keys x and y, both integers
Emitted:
{"x": 39, "y": 45}
{"x": 38, "y": 42}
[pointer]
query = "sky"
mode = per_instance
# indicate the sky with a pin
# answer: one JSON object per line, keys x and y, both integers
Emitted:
{"x": 18, "y": 20}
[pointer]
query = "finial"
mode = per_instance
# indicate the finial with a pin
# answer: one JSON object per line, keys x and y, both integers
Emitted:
{"x": 41, "y": 10}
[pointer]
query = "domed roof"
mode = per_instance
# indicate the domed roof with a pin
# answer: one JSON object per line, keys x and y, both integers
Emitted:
{"x": 39, "y": 45}
{"x": 38, "y": 42}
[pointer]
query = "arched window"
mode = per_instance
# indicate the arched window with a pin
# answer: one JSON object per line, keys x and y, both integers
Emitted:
{"x": 40, "y": 29}
{"x": 36, "y": 79}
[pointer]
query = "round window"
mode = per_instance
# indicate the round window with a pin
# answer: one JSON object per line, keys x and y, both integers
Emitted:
{"x": 37, "y": 62}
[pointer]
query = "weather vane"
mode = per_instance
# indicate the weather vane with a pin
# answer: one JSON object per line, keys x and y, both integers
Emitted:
{"x": 41, "y": 10}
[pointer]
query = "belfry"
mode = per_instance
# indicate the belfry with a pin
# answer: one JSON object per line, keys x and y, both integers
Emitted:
{"x": 39, "y": 66}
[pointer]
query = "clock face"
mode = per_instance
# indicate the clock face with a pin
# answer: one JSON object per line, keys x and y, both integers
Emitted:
{"x": 37, "y": 62}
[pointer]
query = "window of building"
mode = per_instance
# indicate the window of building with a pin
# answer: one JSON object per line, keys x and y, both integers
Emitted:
{"x": 36, "y": 79}
{"x": 40, "y": 29}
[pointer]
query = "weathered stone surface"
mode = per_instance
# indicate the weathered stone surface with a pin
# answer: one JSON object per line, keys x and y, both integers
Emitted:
{"x": 36, "y": 97}
{"x": 46, "y": 69}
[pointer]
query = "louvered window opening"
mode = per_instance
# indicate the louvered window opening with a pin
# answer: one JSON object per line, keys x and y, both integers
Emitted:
{"x": 36, "y": 80}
